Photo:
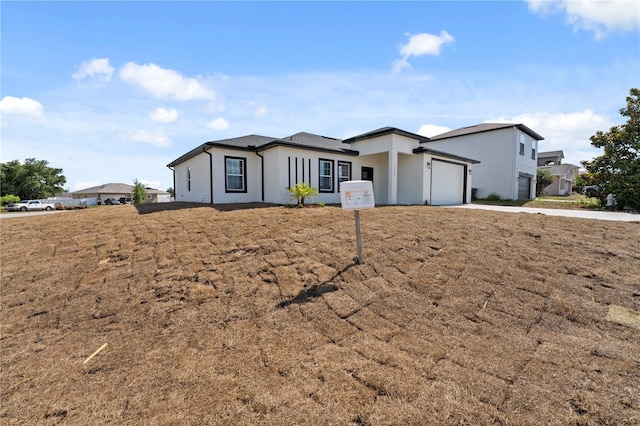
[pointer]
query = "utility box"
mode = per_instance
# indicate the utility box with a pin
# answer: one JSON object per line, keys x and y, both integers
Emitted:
{"x": 357, "y": 195}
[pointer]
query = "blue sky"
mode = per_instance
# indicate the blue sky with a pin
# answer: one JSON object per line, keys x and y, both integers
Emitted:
{"x": 114, "y": 91}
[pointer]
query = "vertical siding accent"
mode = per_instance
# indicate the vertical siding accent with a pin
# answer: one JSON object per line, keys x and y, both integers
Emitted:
{"x": 303, "y": 170}
{"x": 296, "y": 170}
{"x": 289, "y": 172}
{"x": 309, "y": 171}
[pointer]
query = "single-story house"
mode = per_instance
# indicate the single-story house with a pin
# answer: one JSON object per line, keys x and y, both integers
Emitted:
{"x": 119, "y": 190}
{"x": 507, "y": 153}
{"x": 257, "y": 168}
{"x": 564, "y": 175}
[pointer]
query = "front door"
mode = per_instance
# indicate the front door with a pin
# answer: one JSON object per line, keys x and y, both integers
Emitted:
{"x": 367, "y": 173}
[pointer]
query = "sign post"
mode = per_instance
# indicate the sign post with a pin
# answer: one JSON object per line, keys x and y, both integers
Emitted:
{"x": 357, "y": 195}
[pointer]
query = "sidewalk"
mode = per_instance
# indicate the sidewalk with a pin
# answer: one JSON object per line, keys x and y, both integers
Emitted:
{"x": 583, "y": 214}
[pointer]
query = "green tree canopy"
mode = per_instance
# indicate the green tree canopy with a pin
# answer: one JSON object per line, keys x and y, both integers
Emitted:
{"x": 139, "y": 192}
{"x": 543, "y": 179}
{"x": 617, "y": 171}
{"x": 32, "y": 180}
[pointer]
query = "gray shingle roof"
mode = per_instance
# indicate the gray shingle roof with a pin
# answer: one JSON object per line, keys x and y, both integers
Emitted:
{"x": 551, "y": 154}
{"x": 485, "y": 127}
{"x": 115, "y": 188}
{"x": 260, "y": 143}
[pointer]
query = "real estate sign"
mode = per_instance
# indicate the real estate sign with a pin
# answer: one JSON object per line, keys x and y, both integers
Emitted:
{"x": 357, "y": 195}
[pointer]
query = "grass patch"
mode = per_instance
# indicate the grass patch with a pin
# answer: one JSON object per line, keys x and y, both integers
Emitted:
{"x": 201, "y": 314}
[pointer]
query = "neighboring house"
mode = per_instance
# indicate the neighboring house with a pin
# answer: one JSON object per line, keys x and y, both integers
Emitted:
{"x": 507, "y": 153}
{"x": 259, "y": 168}
{"x": 118, "y": 190}
{"x": 564, "y": 175}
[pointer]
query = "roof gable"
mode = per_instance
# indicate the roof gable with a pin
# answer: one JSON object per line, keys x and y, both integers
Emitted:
{"x": 386, "y": 131}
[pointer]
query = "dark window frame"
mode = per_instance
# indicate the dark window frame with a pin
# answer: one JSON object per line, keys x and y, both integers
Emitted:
{"x": 533, "y": 153}
{"x": 244, "y": 175}
{"x": 188, "y": 178}
{"x": 333, "y": 167}
{"x": 522, "y": 148}
{"x": 340, "y": 179}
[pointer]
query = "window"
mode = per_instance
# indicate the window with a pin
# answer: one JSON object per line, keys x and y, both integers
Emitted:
{"x": 188, "y": 178}
{"x": 325, "y": 172}
{"x": 344, "y": 172}
{"x": 533, "y": 153}
{"x": 236, "y": 178}
{"x": 521, "y": 148}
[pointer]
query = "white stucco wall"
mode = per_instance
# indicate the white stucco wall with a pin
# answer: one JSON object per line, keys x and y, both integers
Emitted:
{"x": 200, "y": 190}
{"x": 500, "y": 162}
{"x": 411, "y": 179}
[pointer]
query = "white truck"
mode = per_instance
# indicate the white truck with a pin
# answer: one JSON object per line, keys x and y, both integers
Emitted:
{"x": 30, "y": 205}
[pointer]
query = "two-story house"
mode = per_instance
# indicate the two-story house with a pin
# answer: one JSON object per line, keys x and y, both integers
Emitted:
{"x": 507, "y": 153}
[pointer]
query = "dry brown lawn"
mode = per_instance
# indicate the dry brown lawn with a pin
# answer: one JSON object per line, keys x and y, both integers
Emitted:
{"x": 261, "y": 316}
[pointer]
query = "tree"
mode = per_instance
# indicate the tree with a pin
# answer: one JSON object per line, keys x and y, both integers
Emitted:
{"x": 302, "y": 191}
{"x": 139, "y": 192}
{"x": 171, "y": 192}
{"x": 543, "y": 179}
{"x": 617, "y": 171}
{"x": 32, "y": 180}
{"x": 584, "y": 179}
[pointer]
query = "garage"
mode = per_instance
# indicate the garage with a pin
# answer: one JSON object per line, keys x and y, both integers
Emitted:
{"x": 447, "y": 183}
{"x": 524, "y": 187}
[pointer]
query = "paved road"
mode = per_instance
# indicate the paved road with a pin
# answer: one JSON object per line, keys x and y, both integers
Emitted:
{"x": 9, "y": 215}
{"x": 583, "y": 214}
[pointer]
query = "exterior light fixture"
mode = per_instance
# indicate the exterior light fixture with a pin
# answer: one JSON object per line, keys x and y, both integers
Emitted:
{"x": 428, "y": 165}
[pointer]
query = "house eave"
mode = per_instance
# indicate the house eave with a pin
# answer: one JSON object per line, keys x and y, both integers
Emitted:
{"x": 423, "y": 150}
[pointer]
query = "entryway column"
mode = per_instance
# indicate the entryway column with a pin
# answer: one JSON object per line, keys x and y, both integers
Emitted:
{"x": 392, "y": 189}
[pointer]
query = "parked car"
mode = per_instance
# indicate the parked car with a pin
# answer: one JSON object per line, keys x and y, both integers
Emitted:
{"x": 30, "y": 205}
{"x": 125, "y": 200}
{"x": 591, "y": 191}
{"x": 111, "y": 202}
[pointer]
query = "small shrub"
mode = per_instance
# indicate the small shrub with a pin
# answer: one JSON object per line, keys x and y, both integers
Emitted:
{"x": 494, "y": 197}
{"x": 9, "y": 199}
{"x": 301, "y": 192}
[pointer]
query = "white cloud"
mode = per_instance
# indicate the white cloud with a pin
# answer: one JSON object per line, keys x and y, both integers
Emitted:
{"x": 21, "y": 106}
{"x": 429, "y": 130}
{"x": 86, "y": 184}
{"x": 148, "y": 183}
{"x": 569, "y": 132}
{"x": 100, "y": 69}
{"x": 218, "y": 124}
{"x": 260, "y": 111}
{"x": 164, "y": 115}
{"x": 419, "y": 45}
{"x": 166, "y": 83}
{"x": 156, "y": 139}
{"x": 598, "y": 16}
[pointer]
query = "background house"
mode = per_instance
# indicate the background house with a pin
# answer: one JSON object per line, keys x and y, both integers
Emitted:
{"x": 257, "y": 168}
{"x": 507, "y": 155}
{"x": 118, "y": 190}
{"x": 564, "y": 175}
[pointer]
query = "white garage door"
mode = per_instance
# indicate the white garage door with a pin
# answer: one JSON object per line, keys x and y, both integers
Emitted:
{"x": 447, "y": 183}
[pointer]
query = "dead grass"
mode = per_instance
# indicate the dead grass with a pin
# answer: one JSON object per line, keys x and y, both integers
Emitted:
{"x": 260, "y": 316}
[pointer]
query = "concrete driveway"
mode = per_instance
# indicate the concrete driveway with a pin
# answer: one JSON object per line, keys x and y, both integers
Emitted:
{"x": 583, "y": 214}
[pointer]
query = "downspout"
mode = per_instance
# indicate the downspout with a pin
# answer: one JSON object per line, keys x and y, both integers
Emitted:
{"x": 261, "y": 173}
{"x": 204, "y": 149}
{"x": 174, "y": 182}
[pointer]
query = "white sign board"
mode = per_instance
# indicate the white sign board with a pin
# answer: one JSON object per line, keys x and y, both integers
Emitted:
{"x": 357, "y": 195}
